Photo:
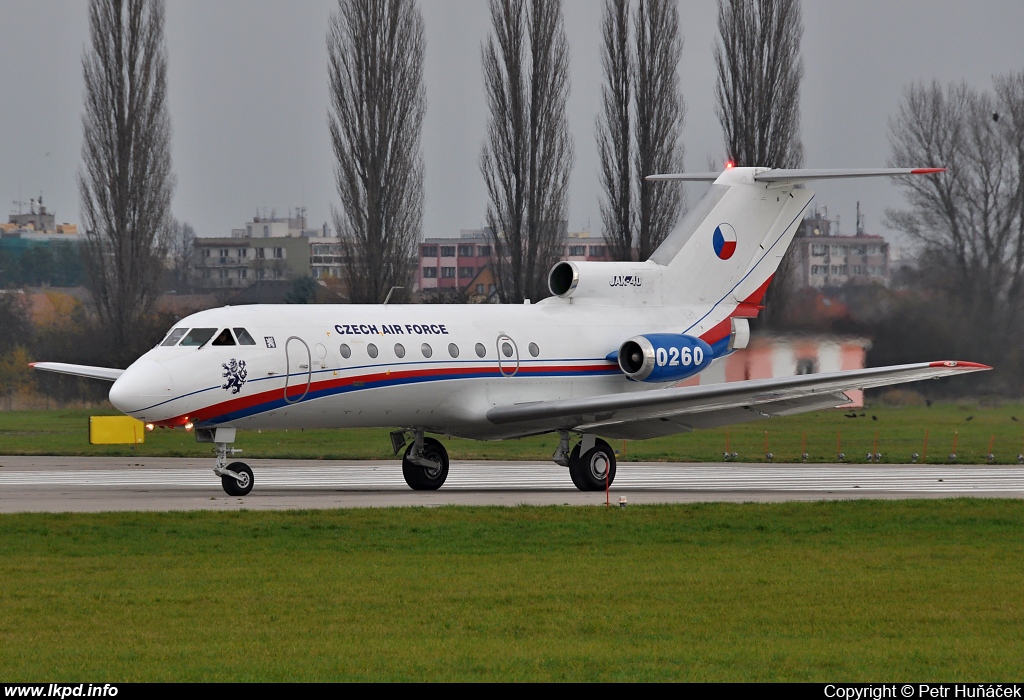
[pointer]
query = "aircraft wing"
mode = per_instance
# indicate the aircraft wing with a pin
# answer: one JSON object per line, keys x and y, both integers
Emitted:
{"x": 107, "y": 373}
{"x": 645, "y": 414}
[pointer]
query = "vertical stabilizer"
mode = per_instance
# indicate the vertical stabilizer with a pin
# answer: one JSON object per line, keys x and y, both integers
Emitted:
{"x": 731, "y": 243}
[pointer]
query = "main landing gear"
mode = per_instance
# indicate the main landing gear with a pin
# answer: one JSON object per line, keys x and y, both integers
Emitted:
{"x": 424, "y": 463}
{"x": 236, "y": 478}
{"x": 591, "y": 462}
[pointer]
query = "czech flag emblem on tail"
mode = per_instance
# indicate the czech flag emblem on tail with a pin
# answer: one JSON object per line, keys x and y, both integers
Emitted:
{"x": 725, "y": 241}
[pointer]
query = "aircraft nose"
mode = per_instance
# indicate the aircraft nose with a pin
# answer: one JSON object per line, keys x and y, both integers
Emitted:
{"x": 143, "y": 384}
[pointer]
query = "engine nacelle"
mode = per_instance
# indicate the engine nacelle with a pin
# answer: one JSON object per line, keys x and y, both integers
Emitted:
{"x": 592, "y": 281}
{"x": 664, "y": 357}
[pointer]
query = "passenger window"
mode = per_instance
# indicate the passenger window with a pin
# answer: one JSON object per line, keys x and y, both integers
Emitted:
{"x": 534, "y": 350}
{"x": 225, "y": 338}
{"x": 453, "y": 349}
{"x": 371, "y": 350}
{"x": 506, "y": 349}
{"x": 426, "y": 350}
{"x": 243, "y": 337}
{"x": 174, "y": 336}
{"x": 399, "y": 350}
{"x": 480, "y": 350}
{"x": 198, "y": 337}
{"x": 346, "y": 351}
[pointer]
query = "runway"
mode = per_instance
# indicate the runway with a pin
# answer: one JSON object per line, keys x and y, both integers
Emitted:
{"x": 84, "y": 484}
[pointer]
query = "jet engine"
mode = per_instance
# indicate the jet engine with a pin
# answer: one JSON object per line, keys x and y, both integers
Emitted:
{"x": 664, "y": 357}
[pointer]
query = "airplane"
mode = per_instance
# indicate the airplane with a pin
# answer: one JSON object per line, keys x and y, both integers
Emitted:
{"x": 598, "y": 359}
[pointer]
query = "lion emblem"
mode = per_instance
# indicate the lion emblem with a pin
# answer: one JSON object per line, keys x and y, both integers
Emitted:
{"x": 235, "y": 373}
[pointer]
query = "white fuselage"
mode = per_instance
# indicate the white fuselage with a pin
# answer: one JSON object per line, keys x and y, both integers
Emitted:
{"x": 296, "y": 375}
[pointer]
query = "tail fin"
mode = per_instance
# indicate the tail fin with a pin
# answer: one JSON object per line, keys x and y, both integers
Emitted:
{"x": 727, "y": 248}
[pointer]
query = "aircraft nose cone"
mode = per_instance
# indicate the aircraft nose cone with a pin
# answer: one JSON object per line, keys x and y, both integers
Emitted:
{"x": 143, "y": 384}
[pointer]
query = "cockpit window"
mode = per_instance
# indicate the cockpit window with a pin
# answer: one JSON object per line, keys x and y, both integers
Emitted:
{"x": 174, "y": 336}
{"x": 225, "y": 338}
{"x": 198, "y": 337}
{"x": 243, "y": 337}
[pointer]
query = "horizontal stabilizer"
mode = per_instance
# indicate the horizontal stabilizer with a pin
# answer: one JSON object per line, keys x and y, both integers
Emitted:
{"x": 108, "y": 373}
{"x": 804, "y": 175}
{"x": 798, "y": 175}
{"x": 686, "y": 177}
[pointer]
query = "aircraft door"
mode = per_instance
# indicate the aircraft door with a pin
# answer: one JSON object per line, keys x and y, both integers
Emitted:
{"x": 508, "y": 356}
{"x": 300, "y": 373}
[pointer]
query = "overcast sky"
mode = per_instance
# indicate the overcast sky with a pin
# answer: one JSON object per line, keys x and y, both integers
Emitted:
{"x": 248, "y": 99}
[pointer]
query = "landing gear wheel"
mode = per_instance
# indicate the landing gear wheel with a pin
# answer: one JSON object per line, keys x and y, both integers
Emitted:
{"x": 591, "y": 471}
{"x": 426, "y": 478}
{"x": 236, "y": 487}
{"x": 574, "y": 458}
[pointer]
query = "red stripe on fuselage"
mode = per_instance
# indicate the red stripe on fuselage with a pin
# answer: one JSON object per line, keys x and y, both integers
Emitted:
{"x": 242, "y": 403}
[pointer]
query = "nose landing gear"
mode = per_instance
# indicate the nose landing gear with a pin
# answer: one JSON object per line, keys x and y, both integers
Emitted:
{"x": 236, "y": 478}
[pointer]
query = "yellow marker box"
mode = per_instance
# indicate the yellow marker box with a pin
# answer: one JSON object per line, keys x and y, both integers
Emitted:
{"x": 116, "y": 430}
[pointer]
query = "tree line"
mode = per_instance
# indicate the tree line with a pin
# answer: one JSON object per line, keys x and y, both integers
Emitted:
{"x": 967, "y": 222}
{"x": 376, "y": 52}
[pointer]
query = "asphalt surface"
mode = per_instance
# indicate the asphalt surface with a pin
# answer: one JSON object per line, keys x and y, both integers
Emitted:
{"x": 58, "y": 484}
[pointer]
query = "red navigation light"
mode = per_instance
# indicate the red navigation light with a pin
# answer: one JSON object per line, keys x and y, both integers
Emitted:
{"x": 729, "y": 164}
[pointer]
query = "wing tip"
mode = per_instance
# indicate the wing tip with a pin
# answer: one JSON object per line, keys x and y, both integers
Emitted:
{"x": 960, "y": 364}
{"x": 927, "y": 171}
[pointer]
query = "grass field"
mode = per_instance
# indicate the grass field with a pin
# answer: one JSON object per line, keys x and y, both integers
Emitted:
{"x": 900, "y": 433}
{"x": 800, "y": 591}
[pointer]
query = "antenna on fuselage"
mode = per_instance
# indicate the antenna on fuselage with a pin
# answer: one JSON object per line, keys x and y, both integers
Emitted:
{"x": 390, "y": 292}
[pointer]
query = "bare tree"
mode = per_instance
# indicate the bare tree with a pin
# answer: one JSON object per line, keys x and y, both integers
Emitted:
{"x": 639, "y": 129}
{"x": 378, "y": 100}
{"x": 968, "y": 219}
{"x": 125, "y": 184}
{"x": 528, "y": 154}
{"x": 614, "y": 131}
{"x": 759, "y": 73}
{"x": 181, "y": 248}
{"x": 660, "y": 112}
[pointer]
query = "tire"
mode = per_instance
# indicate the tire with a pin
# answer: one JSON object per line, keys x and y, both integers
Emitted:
{"x": 574, "y": 466}
{"x": 231, "y": 485}
{"x": 589, "y": 472}
{"x": 423, "y": 479}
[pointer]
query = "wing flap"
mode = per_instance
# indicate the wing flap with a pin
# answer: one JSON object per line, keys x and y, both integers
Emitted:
{"x": 781, "y": 394}
{"x": 684, "y": 423}
{"x": 108, "y": 373}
